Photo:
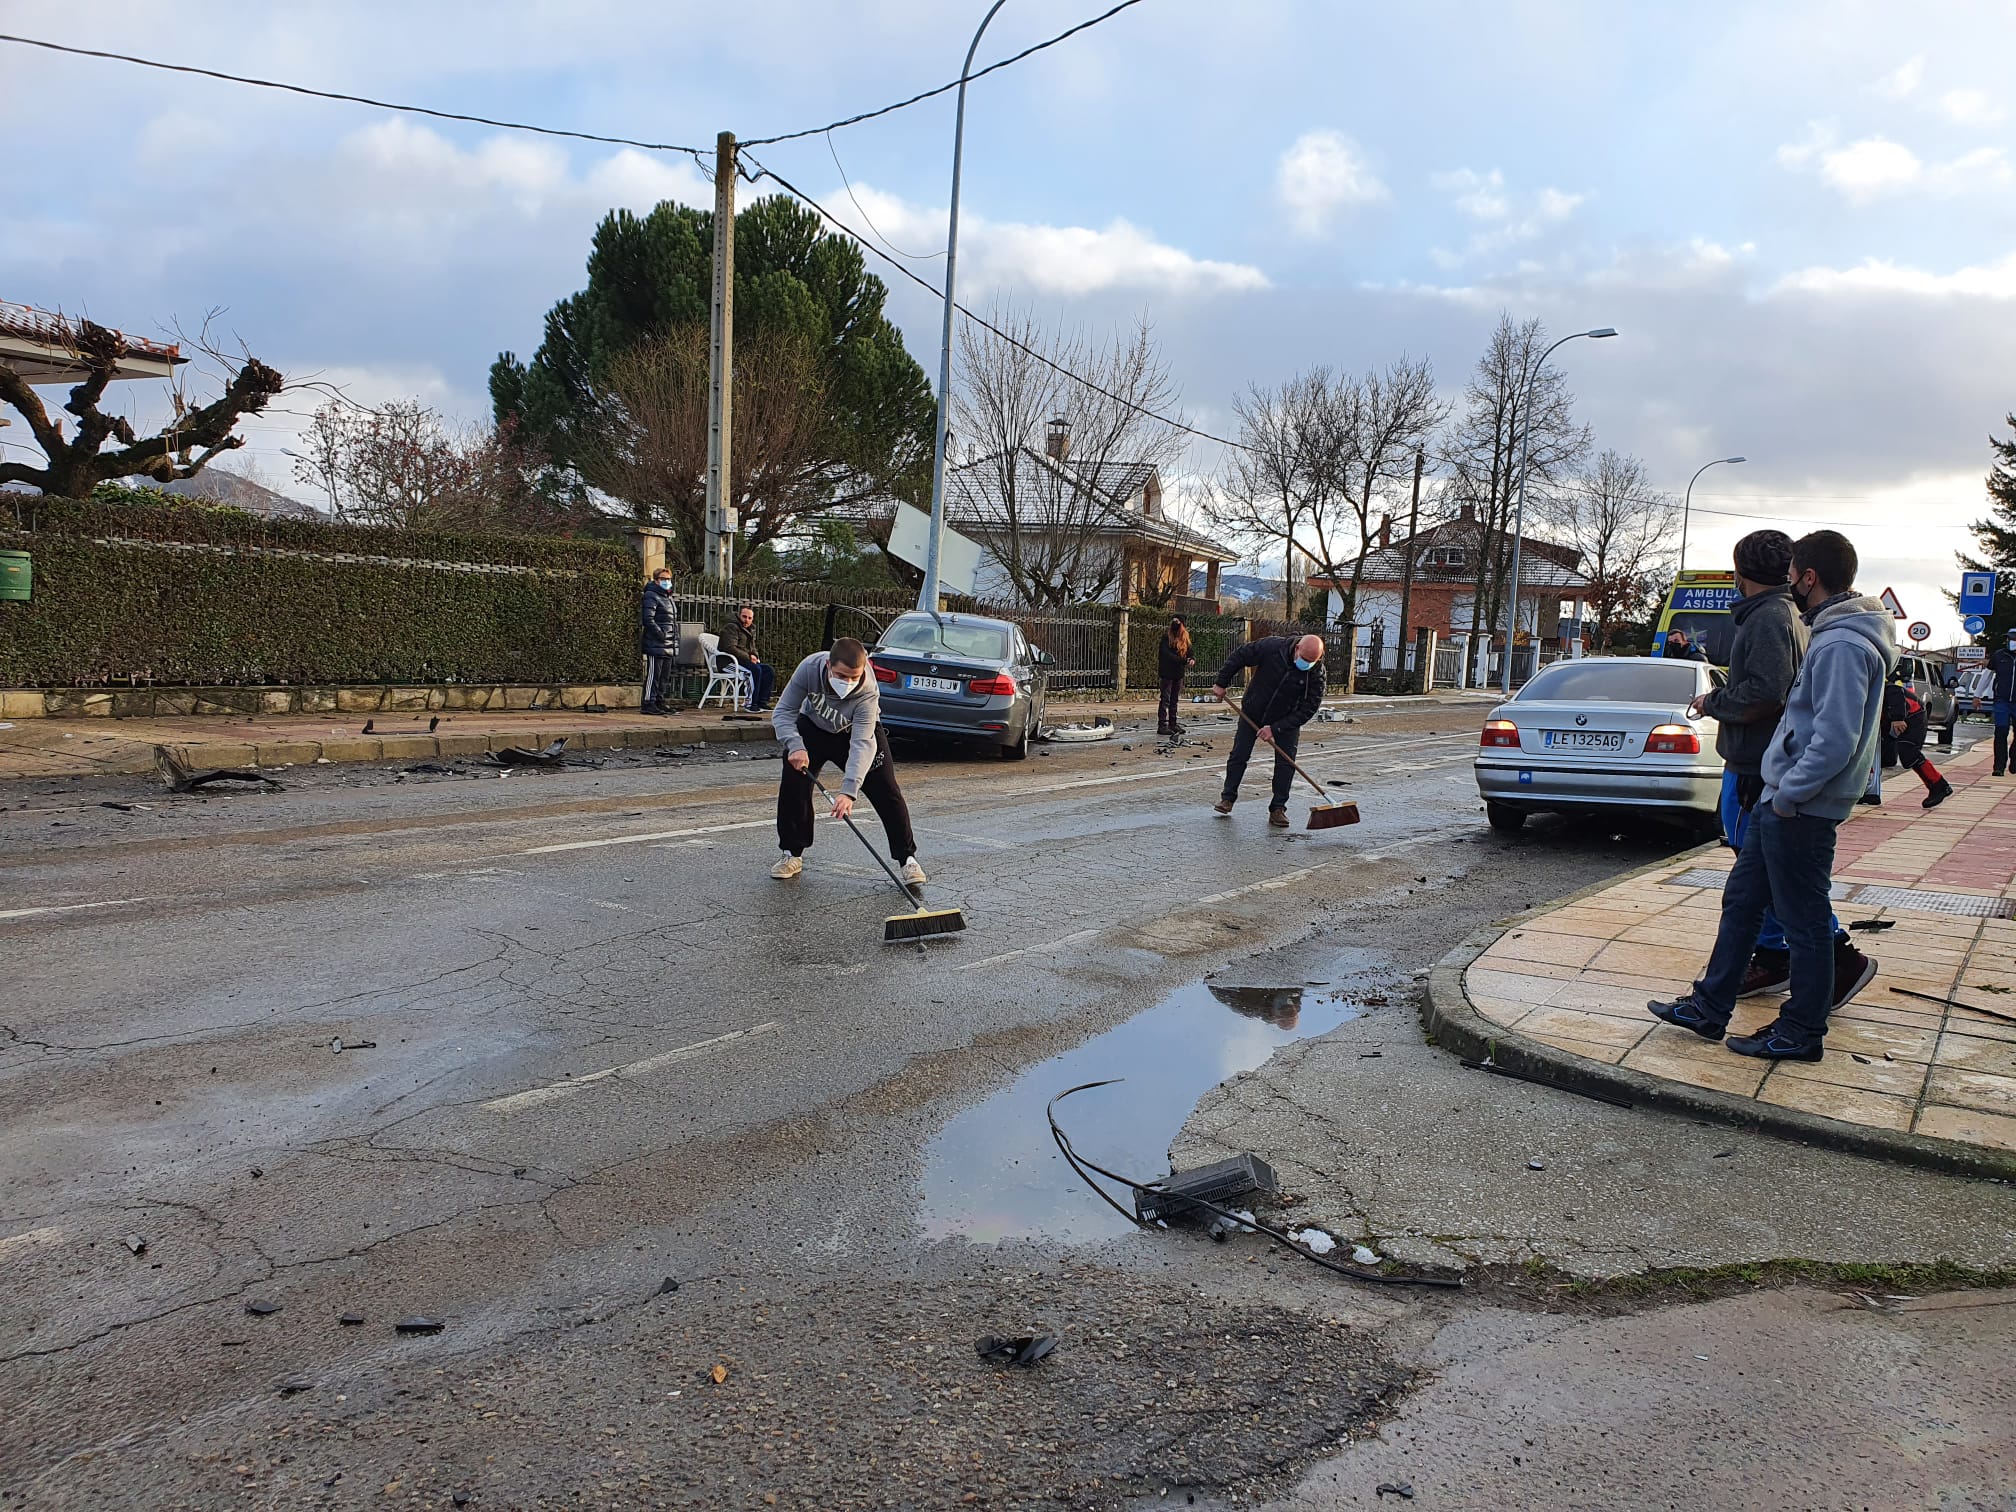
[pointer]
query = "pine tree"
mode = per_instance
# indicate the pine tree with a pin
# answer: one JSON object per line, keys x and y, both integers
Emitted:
{"x": 1997, "y": 534}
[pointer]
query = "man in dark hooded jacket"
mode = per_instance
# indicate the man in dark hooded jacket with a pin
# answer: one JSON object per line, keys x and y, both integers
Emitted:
{"x": 1284, "y": 693}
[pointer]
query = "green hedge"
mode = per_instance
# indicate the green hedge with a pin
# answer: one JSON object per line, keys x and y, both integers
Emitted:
{"x": 1212, "y": 638}
{"x": 182, "y": 598}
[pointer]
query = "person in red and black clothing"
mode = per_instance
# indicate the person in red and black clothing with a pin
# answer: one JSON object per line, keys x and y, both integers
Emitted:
{"x": 1904, "y": 738}
{"x": 1172, "y": 661}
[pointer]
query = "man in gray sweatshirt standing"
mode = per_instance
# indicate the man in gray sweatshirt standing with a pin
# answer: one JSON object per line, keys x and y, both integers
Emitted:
{"x": 830, "y": 710}
{"x": 1814, "y": 769}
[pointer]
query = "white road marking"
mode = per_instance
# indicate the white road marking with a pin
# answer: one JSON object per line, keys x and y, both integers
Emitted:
{"x": 678, "y": 834}
{"x": 55, "y": 908}
{"x": 1428, "y": 838}
{"x": 539, "y": 1096}
{"x": 1012, "y": 955}
{"x": 1268, "y": 884}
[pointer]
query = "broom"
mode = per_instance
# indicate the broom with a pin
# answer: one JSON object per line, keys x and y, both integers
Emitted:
{"x": 898, "y": 929}
{"x": 1325, "y": 815}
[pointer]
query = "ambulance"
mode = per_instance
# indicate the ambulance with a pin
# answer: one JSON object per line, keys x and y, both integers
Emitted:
{"x": 1700, "y": 603}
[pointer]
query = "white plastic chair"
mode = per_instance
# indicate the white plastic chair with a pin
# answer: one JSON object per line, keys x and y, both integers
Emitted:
{"x": 727, "y": 679}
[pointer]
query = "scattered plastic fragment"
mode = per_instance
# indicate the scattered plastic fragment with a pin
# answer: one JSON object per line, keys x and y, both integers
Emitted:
{"x": 1024, "y": 1350}
{"x": 1363, "y": 1255}
{"x": 419, "y": 1325}
{"x": 136, "y": 1244}
{"x": 1402, "y": 1489}
{"x": 1536, "y": 1164}
{"x": 259, "y": 1307}
{"x": 1314, "y": 1240}
{"x": 666, "y": 1287}
{"x": 351, "y": 1320}
{"x": 297, "y": 1383}
{"x": 718, "y": 1374}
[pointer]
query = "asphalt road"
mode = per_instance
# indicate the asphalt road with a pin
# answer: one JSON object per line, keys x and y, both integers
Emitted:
{"x": 592, "y": 1051}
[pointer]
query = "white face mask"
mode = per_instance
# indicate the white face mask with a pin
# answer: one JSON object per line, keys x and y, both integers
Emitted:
{"x": 841, "y": 686}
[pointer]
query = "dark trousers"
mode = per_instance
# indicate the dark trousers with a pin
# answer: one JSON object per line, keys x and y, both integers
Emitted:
{"x": 657, "y": 680}
{"x": 1786, "y": 865}
{"x": 1242, "y": 752}
{"x": 794, "y": 792}
{"x": 1172, "y": 695}
{"x": 1908, "y": 749}
{"x": 2002, "y": 709}
{"x": 763, "y": 679}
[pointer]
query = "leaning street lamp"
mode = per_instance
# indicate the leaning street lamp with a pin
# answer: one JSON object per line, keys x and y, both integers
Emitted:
{"x": 1687, "y": 505}
{"x": 1519, "y": 509}
{"x": 927, "y": 596}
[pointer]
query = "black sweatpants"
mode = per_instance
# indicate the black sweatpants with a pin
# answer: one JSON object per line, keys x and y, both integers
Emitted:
{"x": 658, "y": 675}
{"x": 794, "y": 792}
{"x": 1243, "y": 741}
{"x": 1908, "y": 749}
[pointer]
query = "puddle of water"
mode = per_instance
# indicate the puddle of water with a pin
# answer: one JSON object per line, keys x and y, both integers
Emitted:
{"x": 994, "y": 1173}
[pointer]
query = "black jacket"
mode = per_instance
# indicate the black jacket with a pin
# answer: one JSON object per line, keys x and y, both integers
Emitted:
{"x": 1279, "y": 693}
{"x": 1766, "y": 647}
{"x": 2002, "y": 661}
{"x": 658, "y": 623}
{"x": 1900, "y": 702}
{"x": 1172, "y": 665}
{"x": 740, "y": 643}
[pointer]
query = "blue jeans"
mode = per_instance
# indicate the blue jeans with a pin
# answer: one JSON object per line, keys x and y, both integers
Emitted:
{"x": 1243, "y": 740}
{"x": 2002, "y": 706}
{"x": 1789, "y": 865}
{"x": 764, "y": 678}
{"x": 1735, "y": 822}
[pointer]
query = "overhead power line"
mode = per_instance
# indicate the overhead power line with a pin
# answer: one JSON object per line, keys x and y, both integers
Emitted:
{"x": 987, "y": 325}
{"x": 351, "y": 99}
{"x": 932, "y": 94}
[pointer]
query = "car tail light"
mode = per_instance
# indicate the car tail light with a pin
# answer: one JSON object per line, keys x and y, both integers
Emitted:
{"x": 1500, "y": 732}
{"x": 1672, "y": 740}
{"x": 882, "y": 673}
{"x": 999, "y": 682}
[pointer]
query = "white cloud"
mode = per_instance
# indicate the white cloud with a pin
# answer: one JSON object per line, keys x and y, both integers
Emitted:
{"x": 1820, "y": 135}
{"x": 1508, "y": 218}
{"x": 1880, "y": 276}
{"x": 1069, "y": 260}
{"x": 1983, "y": 168}
{"x": 1870, "y": 168}
{"x": 1902, "y": 82}
{"x": 1323, "y": 173}
{"x": 1478, "y": 195}
{"x": 1971, "y": 107}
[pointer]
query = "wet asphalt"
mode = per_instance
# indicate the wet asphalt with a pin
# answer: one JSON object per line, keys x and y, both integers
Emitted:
{"x": 623, "y": 1115}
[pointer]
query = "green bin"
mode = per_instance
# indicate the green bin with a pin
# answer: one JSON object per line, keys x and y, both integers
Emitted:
{"x": 17, "y": 575}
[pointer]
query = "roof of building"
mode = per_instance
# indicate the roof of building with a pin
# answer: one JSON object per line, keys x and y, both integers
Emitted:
{"x": 44, "y": 347}
{"x": 1542, "y": 564}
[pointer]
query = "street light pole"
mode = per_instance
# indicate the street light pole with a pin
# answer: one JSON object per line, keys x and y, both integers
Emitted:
{"x": 1687, "y": 506}
{"x": 1519, "y": 509}
{"x": 927, "y": 596}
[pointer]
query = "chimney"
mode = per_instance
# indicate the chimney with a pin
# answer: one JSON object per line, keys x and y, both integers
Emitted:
{"x": 1385, "y": 531}
{"x": 1469, "y": 515}
{"x": 1057, "y": 439}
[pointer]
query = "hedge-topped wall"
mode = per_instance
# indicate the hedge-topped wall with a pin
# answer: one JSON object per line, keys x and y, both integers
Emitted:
{"x": 191, "y": 594}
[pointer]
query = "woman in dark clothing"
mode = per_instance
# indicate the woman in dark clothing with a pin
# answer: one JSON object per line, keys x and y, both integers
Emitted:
{"x": 1172, "y": 660}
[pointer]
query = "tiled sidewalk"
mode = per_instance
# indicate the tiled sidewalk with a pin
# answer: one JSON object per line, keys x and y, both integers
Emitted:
{"x": 1576, "y": 980}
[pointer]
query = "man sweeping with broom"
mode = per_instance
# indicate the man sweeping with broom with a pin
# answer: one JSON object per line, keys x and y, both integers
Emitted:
{"x": 1282, "y": 695}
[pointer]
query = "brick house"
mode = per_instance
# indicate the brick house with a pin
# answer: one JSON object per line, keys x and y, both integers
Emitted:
{"x": 1445, "y": 583}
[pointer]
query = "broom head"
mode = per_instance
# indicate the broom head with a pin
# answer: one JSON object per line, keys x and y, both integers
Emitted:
{"x": 900, "y": 929}
{"x": 1330, "y": 815}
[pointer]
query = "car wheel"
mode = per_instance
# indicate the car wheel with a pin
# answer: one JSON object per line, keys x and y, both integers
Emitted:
{"x": 1019, "y": 749}
{"x": 1504, "y": 818}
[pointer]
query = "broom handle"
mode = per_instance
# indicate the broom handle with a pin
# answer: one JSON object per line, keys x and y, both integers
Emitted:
{"x": 848, "y": 820}
{"x": 1321, "y": 791}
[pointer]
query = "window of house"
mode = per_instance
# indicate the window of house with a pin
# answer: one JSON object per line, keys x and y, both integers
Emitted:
{"x": 1446, "y": 556}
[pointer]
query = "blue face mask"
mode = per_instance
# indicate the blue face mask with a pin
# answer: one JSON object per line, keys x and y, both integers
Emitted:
{"x": 1303, "y": 666}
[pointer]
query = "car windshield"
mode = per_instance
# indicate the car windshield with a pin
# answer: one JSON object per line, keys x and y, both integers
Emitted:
{"x": 1654, "y": 682}
{"x": 920, "y": 632}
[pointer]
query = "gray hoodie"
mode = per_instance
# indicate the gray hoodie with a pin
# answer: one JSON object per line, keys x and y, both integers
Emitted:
{"x": 1819, "y": 761}
{"x": 1764, "y": 657}
{"x": 809, "y": 697}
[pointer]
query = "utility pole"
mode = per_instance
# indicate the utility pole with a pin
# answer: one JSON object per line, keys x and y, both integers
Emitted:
{"x": 719, "y": 561}
{"x": 1407, "y": 557}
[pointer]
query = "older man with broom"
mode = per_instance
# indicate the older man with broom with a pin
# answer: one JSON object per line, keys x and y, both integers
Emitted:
{"x": 1282, "y": 695}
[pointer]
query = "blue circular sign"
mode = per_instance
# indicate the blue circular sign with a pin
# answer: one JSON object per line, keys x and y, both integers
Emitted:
{"x": 1974, "y": 624}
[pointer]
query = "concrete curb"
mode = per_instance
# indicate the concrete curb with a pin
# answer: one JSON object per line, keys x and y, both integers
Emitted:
{"x": 1454, "y": 1023}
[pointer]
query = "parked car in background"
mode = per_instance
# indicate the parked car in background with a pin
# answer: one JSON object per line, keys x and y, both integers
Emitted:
{"x": 962, "y": 677}
{"x": 1604, "y": 733}
{"x": 1928, "y": 680}
{"x": 1975, "y": 693}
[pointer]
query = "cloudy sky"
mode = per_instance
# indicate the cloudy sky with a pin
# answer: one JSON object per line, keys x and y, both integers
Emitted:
{"x": 1801, "y": 215}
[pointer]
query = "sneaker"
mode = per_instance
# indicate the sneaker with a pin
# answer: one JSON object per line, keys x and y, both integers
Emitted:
{"x": 787, "y": 867}
{"x": 1769, "y": 971}
{"x": 911, "y": 873}
{"x": 1687, "y": 1012}
{"x": 1775, "y": 1041}
{"x": 1852, "y": 972}
{"x": 1871, "y": 800}
{"x": 1941, "y": 791}
{"x": 1278, "y": 818}
{"x": 1222, "y": 806}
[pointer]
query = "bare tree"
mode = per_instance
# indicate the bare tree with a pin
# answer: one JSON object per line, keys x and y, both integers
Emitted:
{"x": 192, "y": 438}
{"x": 1048, "y": 520}
{"x": 1620, "y": 524}
{"x": 1388, "y": 419}
{"x": 652, "y": 449}
{"x": 1481, "y": 448}
{"x": 1284, "y": 483}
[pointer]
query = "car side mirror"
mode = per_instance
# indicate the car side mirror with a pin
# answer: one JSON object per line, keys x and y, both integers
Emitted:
{"x": 1041, "y": 658}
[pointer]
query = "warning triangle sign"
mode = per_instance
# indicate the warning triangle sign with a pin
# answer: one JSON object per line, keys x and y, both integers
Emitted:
{"x": 1890, "y": 602}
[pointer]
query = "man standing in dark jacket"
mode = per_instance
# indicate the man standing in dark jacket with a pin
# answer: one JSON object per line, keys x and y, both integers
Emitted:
{"x": 658, "y": 639}
{"x": 1285, "y": 691}
{"x": 2002, "y": 662}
